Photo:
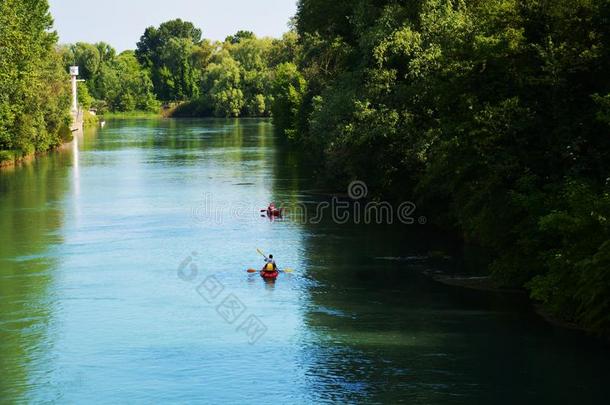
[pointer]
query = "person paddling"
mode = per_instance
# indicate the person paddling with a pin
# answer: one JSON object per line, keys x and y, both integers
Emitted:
{"x": 269, "y": 270}
{"x": 273, "y": 211}
{"x": 270, "y": 265}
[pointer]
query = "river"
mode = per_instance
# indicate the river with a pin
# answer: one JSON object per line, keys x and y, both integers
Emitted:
{"x": 123, "y": 280}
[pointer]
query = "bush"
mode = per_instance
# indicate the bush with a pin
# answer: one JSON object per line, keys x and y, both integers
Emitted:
{"x": 6, "y": 156}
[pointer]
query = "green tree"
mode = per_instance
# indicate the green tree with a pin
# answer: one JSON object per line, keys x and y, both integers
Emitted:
{"x": 240, "y": 36}
{"x": 87, "y": 57}
{"x": 84, "y": 97}
{"x": 128, "y": 87}
{"x": 222, "y": 84}
{"x": 289, "y": 86}
{"x": 34, "y": 87}
{"x": 495, "y": 113}
{"x": 167, "y": 52}
{"x": 236, "y": 76}
{"x": 284, "y": 50}
{"x": 253, "y": 56}
{"x": 116, "y": 83}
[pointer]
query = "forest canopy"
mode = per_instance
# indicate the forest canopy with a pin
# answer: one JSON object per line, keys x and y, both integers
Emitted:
{"x": 34, "y": 87}
{"x": 494, "y": 114}
{"x": 173, "y": 65}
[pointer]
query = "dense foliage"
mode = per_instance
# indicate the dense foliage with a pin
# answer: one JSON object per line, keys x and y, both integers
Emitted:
{"x": 173, "y": 65}
{"x": 169, "y": 52}
{"x": 238, "y": 76}
{"x": 34, "y": 87}
{"x": 112, "y": 82}
{"x": 494, "y": 113}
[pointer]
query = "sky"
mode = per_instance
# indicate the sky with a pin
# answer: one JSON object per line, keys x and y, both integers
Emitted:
{"x": 121, "y": 22}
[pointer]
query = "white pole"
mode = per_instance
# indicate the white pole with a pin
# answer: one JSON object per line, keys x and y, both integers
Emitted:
{"x": 74, "y": 95}
{"x": 73, "y": 75}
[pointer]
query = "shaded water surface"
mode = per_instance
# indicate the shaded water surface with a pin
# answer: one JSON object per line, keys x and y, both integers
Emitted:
{"x": 123, "y": 280}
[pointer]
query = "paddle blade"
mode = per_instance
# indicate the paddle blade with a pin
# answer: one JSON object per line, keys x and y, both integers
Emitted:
{"x": 288, "y": 271}
{"x": 252, "y": 271}
{"x": 261, "y": 253}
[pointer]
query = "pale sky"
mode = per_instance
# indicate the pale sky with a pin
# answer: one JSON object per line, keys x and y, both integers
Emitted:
{"x": 121, "y": 22}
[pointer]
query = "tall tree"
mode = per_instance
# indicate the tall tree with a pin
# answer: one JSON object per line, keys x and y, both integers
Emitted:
{"x": 166, "y": 51}
{"x": 240, "y": 36}
{"x": 34, "y": 88}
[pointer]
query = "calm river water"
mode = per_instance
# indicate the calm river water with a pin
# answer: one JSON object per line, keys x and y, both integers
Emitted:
{"x": 123, "y": 280}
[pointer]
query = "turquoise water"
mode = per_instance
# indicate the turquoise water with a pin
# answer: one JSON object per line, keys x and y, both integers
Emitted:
{"x": 123, "y": 280}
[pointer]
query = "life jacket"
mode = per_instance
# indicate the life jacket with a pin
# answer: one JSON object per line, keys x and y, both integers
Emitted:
{"x": 270, "y": 266}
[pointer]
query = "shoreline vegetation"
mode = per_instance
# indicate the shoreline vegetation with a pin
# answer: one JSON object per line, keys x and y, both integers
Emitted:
{"x": 132, "y": 114}
{"x": 493, "y": 117}
{"x": 11, "y": 159}
{"x": 34, "y": 85}
{"x": 487, "y": 283}
{"x": 176, "y": 71}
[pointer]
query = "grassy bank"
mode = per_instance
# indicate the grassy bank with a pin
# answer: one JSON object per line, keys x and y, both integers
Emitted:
{"x": 131, "y": 114}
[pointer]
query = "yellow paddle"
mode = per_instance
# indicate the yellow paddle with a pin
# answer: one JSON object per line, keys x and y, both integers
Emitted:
{"x": 284, "y": 271}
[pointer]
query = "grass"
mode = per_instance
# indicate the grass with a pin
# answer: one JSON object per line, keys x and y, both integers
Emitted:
{"x": 131, "y": 114}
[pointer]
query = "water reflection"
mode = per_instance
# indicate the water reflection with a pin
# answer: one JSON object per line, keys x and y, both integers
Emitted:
{"x": 377, "y": 331}
{"x": 386, "y": 334}
{"x": 31, "y": 216}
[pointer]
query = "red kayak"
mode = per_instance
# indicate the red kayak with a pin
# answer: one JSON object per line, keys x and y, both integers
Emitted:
{"x": 274, "y": 212}
{"x": 270, "y": 275}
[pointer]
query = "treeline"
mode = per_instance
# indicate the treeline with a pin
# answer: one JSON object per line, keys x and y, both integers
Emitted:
{"x": 235, "y": 78}
{"x": 175, "y": 67}
{"x": 493, "y": 114}
{"x": 34, "y": 87}
{"x": 112, "y": 82}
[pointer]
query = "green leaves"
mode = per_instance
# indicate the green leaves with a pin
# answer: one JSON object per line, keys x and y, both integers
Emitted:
{"x": 494, "y": 113}
{"x": 34, "y": 88}
{"x": 289, "y": 87}
{"x": 234, "y": 78}
{"x": 115, "y": 83}
{"x": 170, "y": 52}
{"x": 221, "y": 83}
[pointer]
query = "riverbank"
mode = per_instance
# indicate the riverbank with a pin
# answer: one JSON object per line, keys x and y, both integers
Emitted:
{"x": 481, "y": 283}
{"x": 487, "y": 283}
{"x": 12, "y": 160}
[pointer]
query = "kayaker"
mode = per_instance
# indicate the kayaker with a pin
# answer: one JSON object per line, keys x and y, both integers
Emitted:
{"x": 270, "y": 266}
{"x": 273, "y": 211}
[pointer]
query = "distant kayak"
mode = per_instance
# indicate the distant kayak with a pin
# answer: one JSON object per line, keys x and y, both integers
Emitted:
{"x": 274, "y": 212}
{"x": 270, "y": 275}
